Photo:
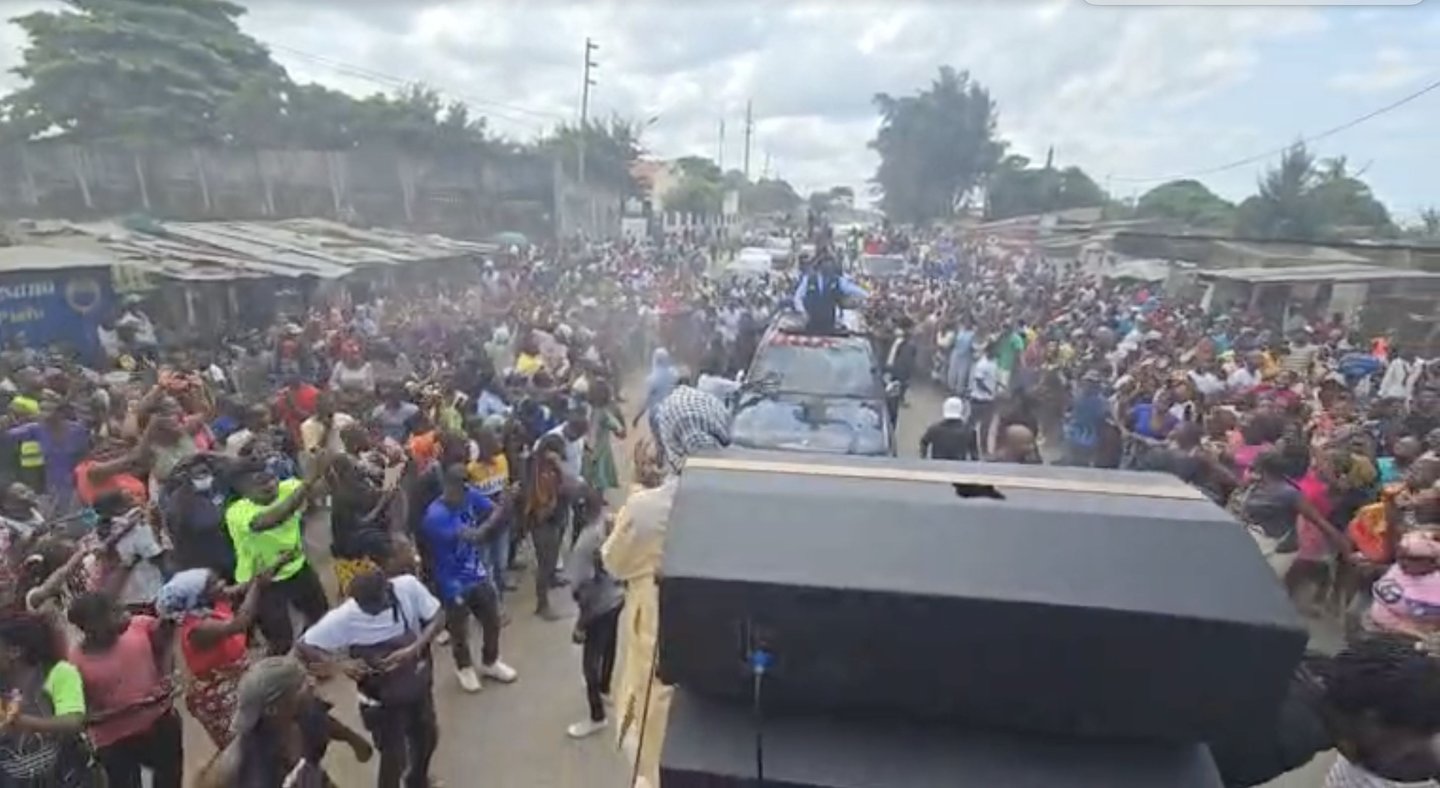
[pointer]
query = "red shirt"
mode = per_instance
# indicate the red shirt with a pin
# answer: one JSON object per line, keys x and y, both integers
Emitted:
{"x": 227, "y": 652}
{"x": 294, "y": 405}
{"x": 120, "y": 677}
{"x": 124, "y": 482}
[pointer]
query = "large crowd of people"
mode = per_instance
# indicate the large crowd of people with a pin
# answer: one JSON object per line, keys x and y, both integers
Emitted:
{"x": 157, "y": 522}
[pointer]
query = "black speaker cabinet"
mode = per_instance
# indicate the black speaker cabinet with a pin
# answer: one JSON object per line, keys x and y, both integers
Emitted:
{"x": 711, "y": 744}
{"x": 1072, "y": 601}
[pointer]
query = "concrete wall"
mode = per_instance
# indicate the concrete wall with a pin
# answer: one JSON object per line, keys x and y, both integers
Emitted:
{"x": 467, "y": 194}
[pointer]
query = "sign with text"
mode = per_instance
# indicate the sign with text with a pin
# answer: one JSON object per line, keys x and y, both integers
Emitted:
{"x": 42, "y": 308}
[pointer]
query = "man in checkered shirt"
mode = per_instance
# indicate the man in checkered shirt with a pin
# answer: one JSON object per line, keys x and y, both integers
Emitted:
{"x": 688, "y": 421}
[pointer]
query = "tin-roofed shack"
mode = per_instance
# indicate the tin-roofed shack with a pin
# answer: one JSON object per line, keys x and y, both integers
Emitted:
{"x": 205, "y": 278}
{"x": 1369, "y": 297}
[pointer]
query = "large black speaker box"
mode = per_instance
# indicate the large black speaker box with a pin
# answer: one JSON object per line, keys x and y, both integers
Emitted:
{"x": 1072, "y": 601}
{"x": 711, "y": 744}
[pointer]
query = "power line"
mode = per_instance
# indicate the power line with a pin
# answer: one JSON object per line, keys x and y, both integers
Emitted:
{"x": 389, "y": 80}
{"x": 1330, "y": 132}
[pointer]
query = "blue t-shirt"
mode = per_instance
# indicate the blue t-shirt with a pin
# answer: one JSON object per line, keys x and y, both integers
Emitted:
{"x": 1140, "y": 422}
{"x": 455, "y": 561}
{"x": 1087, "y": 416}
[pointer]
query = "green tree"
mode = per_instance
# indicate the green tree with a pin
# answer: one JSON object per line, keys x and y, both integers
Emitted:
{"x": 1346, "y": 206}
{"x": 769, "y": 196}
{"x": 136, "y": 70}
{"x": 1306, "y": 200}
{"x": 700, "y": 168}
{"x": 611, "y": 149}
{"x": 1017, "y": 189}
{"x": 1283, "y": 208}
{"x": 1428, "y": 226}
{"x": 934, "y": 146}
{"x": 835, "y": 196}
{"x": 1187, "y": 201}
{"x": 695, "y": 195}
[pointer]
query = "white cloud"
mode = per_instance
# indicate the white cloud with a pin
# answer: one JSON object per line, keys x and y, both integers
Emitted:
{"x": 1390, "y": 69}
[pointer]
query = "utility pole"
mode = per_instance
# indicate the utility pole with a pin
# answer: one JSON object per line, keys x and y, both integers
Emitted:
{"x": 749, "y": 127}
{"x": 766, "y": 172}
{"x": 585, "y": 106}
{"x": 720, "y": 151}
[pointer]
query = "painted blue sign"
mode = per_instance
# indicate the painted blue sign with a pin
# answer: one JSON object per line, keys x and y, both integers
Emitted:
{"x": 44, "y": 308}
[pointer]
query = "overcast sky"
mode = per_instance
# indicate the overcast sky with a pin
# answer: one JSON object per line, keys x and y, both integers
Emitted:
{"x": 1130, "y": 93}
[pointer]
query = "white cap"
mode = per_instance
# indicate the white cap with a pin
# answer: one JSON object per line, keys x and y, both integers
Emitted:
{"x": 955, "y": 408}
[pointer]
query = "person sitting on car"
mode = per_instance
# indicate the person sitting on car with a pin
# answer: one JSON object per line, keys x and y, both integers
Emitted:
{"x": 821, "y": 289}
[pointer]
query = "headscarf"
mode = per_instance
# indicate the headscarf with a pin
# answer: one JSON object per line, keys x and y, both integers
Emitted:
{"x": 662, "y": 378}
{"x": 266, "y": 682}
{"x": 183, "y": 595}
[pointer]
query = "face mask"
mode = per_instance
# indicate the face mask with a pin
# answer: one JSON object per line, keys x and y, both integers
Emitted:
{"x": 203, "y": 483}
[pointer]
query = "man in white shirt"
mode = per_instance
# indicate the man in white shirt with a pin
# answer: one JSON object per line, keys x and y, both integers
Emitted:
{"x": 1400, "y": 376}
{"x": 573, "y": 432}
{"x": 391, "y": 622}
{"x": 1246, "y": 376}
{"x": 984, "y": 388}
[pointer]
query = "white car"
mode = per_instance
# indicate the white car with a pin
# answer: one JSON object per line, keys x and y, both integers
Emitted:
{"x": 750, "y": 263}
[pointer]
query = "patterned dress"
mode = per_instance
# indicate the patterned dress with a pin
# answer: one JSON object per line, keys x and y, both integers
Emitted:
{"x": 213, "y": 689}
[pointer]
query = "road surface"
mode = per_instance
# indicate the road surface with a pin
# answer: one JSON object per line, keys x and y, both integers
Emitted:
{"x": 514, "y": 736}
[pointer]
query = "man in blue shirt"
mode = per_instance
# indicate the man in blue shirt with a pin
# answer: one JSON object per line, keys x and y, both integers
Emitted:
{"x": 820, "y": 291}
{"x": 1089, "y": 410}
{"x": 455, "y": 526}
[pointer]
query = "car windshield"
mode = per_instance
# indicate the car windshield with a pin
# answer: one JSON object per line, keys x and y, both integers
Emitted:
{"x": 838, "y": 367}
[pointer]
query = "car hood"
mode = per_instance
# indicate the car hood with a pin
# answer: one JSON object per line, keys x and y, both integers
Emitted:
{"x": 834, "y": 426}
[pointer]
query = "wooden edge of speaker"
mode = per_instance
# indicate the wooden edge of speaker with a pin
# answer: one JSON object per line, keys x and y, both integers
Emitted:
{"x": 1174, "y": 492}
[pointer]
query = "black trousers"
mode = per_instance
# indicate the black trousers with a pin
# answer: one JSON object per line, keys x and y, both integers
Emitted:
{"x": 405, "y": 736}
{"x": 483, "y": 602}
{"x": 597, "y": 660}
{"x": 157, "y": 748}
{"x": 304, "y": 591}
{"x": 547, "y": 537}
{"x": 982, "y": 412}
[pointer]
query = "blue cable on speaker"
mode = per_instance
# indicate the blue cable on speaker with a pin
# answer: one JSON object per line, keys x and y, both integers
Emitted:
{"x": 760, "y": 661}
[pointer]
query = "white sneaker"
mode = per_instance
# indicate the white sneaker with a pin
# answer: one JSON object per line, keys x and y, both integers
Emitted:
{"x": 443, "y": 638}
{"x": 499, "y": 671}
{"x": 468, "y": 680}
{"x": 586, "y": 728}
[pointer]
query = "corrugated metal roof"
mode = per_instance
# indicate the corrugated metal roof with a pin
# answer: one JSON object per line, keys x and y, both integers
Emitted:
{"x": 1329, "y": 272}
{"x": 223, "y": 251}
{"x": 1314, "y": 254}
{"x": 48, "y": 258}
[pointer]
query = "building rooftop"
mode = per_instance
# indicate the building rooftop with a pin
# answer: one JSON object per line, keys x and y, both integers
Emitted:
{"x": 1324, "y": 272}
{"x": 223, "y": 251}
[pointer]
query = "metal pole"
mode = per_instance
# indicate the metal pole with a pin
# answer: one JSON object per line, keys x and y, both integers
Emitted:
{"x": 749, "y": 125}
{"x": 585, "y": 107}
